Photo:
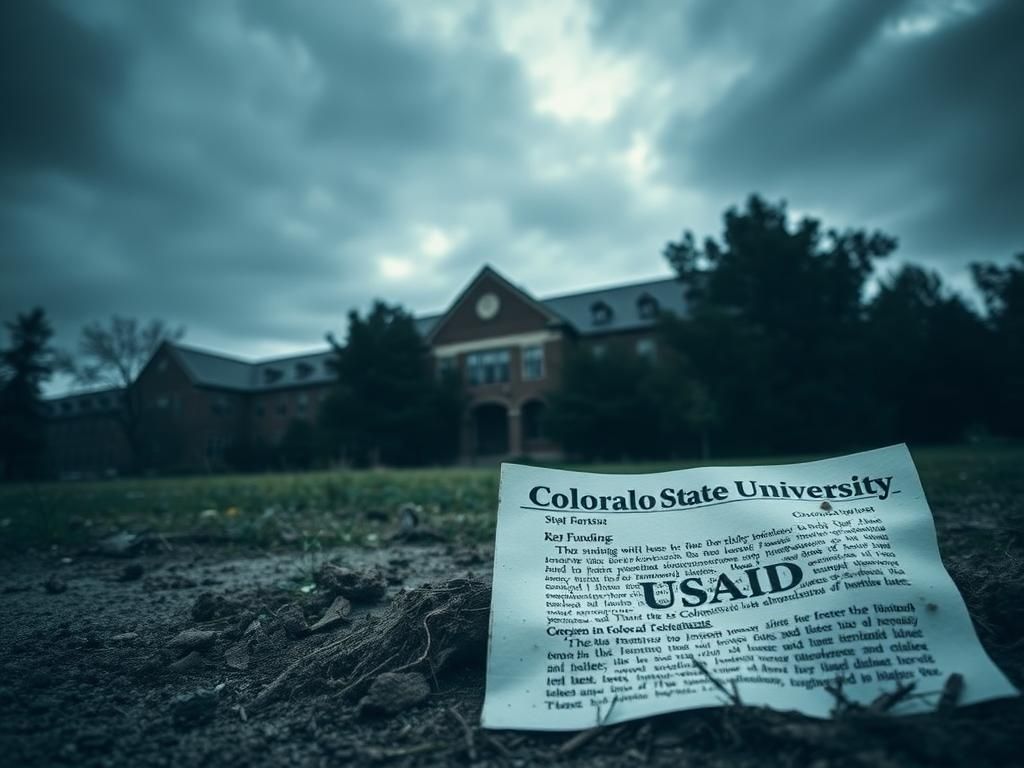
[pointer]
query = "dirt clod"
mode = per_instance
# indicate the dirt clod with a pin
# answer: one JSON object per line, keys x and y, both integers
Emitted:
{"x": 293, "y": 620}
{"x": 55, "y": 585}
{"x": 358, "y": 586}
{"x": 192, "y": 640}
{"x": 394, "y": 692}
{"x": 209, "y": 606}
{"x": 187, "y": 663}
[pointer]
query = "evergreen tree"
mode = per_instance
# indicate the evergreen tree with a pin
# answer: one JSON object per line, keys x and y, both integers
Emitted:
{"x": 929, "y": 359}
{"x": 24, "y": 366}
{"x": 388, "y": 407}
{"x": 775, "y": 331}
{"x": 1003, "y": 291}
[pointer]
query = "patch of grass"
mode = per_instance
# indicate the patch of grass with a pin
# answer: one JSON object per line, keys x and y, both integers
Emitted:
{"x": 302, "y": 510}
{"x": 976, "y": 492}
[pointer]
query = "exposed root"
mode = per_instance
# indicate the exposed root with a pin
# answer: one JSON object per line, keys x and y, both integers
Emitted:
{"x": 425, "y": 629}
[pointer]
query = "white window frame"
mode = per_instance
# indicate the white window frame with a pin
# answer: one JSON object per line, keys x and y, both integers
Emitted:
{"x": 526, "y": 357}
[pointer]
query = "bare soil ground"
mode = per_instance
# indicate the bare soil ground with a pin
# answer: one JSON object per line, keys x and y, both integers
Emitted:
{"x": 191, "y": 654}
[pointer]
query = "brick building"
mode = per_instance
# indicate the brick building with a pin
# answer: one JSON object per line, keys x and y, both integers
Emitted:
{"x": 508, "y": 347}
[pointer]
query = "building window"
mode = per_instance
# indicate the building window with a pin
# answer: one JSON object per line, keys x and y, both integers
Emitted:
{"x": 533, "y": 363}
{"x": 220, "y": 405}
{"x": 647, "y": 307}
{"x": 646, "y": 348}
{"x": 301, "y": 403}
{"x": 487, "y": 367}
{"x": 303, "y": 370}
{"x": 272, "y": 375}
{"x": 598, "y": 351}
{"x": 600, "y": 313}
{"x": 282, "y": 408}
{"x": 163, "y": 402}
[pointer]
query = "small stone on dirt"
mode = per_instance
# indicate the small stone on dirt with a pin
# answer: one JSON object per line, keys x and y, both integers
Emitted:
{"x": 193, "y": 639}
{"x": 293, "y": 621}
{"x": 237, "y": 655}
{"x": 334, "y": 615}
{"x": 357, "y": 586}
{"x": 125, "y": 637}
{"x": 394, "y": 692}
{"x": 55, "y": 585}
{"x": 192, "y": 709}
{"x": 123, "y": 544}
{"x": 187, "y": 663}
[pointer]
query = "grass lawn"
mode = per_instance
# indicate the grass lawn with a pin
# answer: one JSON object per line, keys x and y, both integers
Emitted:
{"x": 975, "y": 491}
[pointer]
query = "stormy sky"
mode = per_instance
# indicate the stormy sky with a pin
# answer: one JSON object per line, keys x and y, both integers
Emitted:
{"x": 254, "y": 169}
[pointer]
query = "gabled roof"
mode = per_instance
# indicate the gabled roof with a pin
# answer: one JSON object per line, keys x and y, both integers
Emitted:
{"x": 488, "y": 271}
{"x": 623, "y": 301}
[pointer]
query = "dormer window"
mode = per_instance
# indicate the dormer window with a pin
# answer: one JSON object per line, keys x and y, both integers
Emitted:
{"x": 303, "y": 370}
{"x": 600, "y": 313}
{"x": 647, "y": 307}
{"x": 272, "y": 375}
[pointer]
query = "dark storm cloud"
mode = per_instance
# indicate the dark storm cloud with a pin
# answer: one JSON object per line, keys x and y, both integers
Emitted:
{"x": 255, "y": 169}
{"x": 57, "y": 80}
{"x": 917, "y": 132}
{"x": 251, "y": 149}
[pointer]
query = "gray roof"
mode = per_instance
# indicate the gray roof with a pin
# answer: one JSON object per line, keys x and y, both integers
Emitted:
{"x": 581, "y": 310}
{"x": 297, "y": 370}
{"x": 211, "y": 369}
{"x": 215, "y": 370}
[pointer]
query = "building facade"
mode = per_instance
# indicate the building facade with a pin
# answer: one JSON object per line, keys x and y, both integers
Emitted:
{"x": 199, "y": 410}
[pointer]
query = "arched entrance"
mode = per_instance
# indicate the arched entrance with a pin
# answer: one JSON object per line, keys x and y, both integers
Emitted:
{"x": 490, "y": 429}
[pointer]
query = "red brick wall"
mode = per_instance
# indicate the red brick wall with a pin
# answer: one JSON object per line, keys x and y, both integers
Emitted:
{"x": 270, "y": 413}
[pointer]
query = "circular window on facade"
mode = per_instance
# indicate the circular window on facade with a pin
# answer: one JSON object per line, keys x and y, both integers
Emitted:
{"x": 487, "y": 306}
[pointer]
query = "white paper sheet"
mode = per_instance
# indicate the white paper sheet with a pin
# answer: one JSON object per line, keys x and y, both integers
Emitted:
{"x": 779, "y": 579}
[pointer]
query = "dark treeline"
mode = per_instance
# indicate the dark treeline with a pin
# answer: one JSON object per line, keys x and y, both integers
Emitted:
{"x": 797, "y": 341}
